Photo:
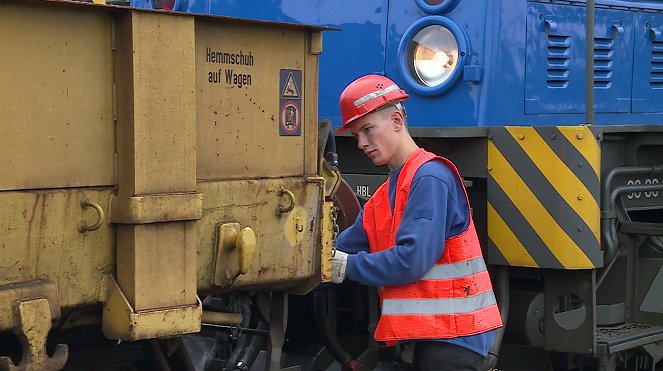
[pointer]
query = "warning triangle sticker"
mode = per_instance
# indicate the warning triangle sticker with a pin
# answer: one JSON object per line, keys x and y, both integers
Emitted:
{"x": 290, "y": 89}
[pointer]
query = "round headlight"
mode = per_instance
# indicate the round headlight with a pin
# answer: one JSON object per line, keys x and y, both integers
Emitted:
{"x": 432, "y": 54}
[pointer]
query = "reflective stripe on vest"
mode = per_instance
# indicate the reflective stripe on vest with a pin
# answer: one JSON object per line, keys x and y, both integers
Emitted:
{"x": 438, "y": 306}
{"x": 455, "y": 270}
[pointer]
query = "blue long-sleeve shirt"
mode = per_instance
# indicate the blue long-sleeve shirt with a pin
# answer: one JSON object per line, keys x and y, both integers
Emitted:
{"x": 436, "y": 210}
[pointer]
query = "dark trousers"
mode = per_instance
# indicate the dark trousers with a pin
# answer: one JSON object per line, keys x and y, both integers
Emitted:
{"x": 439, "y": 356}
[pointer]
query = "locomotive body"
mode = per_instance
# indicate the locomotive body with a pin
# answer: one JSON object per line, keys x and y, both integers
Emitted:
{"x": 567, "y": 196}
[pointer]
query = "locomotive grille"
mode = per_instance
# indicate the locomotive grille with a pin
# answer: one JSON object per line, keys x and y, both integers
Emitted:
{"x": 558, "y": 61}
{"x": 657, "y": 65}
{"x": 603, "y": 53}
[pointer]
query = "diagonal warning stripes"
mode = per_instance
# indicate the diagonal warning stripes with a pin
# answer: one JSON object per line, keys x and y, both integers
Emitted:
{"x": 543, "y": 192}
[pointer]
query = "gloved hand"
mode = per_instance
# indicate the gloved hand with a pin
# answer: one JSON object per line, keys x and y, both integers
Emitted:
{"x": 339, "y": 262}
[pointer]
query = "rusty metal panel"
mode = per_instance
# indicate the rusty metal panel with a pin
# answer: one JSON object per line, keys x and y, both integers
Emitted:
{"x": 56, "y": 115}
{"x": 287, "y": 246}
{"x": 40, "y": 239}
{"x": 238, "y": 101}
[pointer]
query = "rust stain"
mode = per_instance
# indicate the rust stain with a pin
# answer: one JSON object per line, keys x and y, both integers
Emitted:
{"x": 28, "y": 237}
{"x": 41, "y": 241}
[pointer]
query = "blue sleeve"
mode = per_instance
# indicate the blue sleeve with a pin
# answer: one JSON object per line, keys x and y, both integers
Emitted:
{"x": 436, "y": 209}
{"x": 353, "y": 239}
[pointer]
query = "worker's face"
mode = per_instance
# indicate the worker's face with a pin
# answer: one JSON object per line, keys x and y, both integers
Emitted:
{"x": 377, "y": 134}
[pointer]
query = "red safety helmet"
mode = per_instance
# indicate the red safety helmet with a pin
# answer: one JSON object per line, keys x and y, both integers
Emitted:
{"x": 365, "y": 95}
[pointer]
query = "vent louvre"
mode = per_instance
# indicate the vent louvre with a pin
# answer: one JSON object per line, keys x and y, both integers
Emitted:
{"x": 558, "y": 61}
{"x": 603, "y": 53}
{"x": 656, "y": 81}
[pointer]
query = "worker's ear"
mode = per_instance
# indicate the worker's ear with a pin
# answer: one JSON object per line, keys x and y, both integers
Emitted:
{"x": 398, "y": 120}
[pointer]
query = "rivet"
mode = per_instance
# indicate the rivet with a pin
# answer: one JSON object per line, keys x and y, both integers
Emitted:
{"x": 579, "y": 229}
{"x": 580, "y": 197}
{"x": 579, "y": 164}
{"x": 553, "y": 136}
{"x": 521, "y": 136}
{"x": 579, "y": 136}
{"x": 489, "y": 168}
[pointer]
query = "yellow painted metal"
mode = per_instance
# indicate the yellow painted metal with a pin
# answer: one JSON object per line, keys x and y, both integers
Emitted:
{"x": 315, "y": 43}
{"x": 332, "y": 178}
{"x": 326, "y": 230}
{"x": 583, "y": 140}
{"x": 238, "y": 121}
{"x": 287, "y": 246}
{"x": 40, "y": 240}
{"x": 33, "y": 324}
{"x": 156, "y": 145}
{"x": 156, "y": 155}
{"x": 560, "y": 244}
{"x": 123, "y": 322}
{"x": 235, "y": 249}
{"x": 11, "y": 294}
{"x": 123, "y": 159}
{"x": 558, "y": 173}
{"x": 156, "y": 208}
{"x": 222, "y": 318}
{"x": 56, "y": 115}
{"x": 513, "y": 250}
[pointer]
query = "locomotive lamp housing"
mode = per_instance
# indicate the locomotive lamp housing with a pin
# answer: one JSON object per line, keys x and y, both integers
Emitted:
{"x": 433, "y": 53}
{"x": 436, "y": 6}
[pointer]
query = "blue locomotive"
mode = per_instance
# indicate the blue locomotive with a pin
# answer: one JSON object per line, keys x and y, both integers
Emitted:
{"x": 559, "y": 140}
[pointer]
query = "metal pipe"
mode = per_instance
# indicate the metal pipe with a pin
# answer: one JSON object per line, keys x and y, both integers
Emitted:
{"x": 589, "y": 63}
{"x": 242, "y": 343}
{"x": 242, "y": 329}
{"x": 607, "y": 202}
{"x": 222, "y": 318}
{"x": 320, "y": 302}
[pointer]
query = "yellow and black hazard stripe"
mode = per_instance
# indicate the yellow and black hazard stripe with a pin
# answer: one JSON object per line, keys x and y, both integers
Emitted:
{"x": 544, "y": 197}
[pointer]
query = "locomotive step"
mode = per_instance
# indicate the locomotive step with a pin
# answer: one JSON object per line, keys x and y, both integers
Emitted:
{"x": 626, "y": 336}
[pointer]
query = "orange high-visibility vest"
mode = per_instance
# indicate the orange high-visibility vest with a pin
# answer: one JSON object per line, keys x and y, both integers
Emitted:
{"x": 455, "y": 298}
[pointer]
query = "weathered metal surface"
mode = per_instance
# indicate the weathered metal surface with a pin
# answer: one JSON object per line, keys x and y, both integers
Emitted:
{"x": 235, "y": 249}
{"x": 121, "y": 321}
{"x": 238, "y": 92}
{"x": 122, "y": 155}
{"x": 56, "y": 116}
{"x": 287, "y": 246}
{"x": 156, "y": 208}
{"x": 156, "y": 155}
{"x": 13, "y": 294}
{"x": 39, "y": 239}
{"x": 33, "y": 321}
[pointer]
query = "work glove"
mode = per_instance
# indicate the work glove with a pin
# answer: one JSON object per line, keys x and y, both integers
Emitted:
{"x": 339, "y": 262}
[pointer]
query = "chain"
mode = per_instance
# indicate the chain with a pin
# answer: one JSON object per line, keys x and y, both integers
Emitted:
{"x": 335, "y": 230}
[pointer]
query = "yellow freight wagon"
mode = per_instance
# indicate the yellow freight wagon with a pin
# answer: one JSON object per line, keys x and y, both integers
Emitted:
{"x": 150, "y": 159}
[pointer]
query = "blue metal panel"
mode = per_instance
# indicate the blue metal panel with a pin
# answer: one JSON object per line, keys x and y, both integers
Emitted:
{"x": 555, "y": 59}
{"x": 613, "y": 61}
{"x": 459, "y": 104}
{"x": 648, "y": 63}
